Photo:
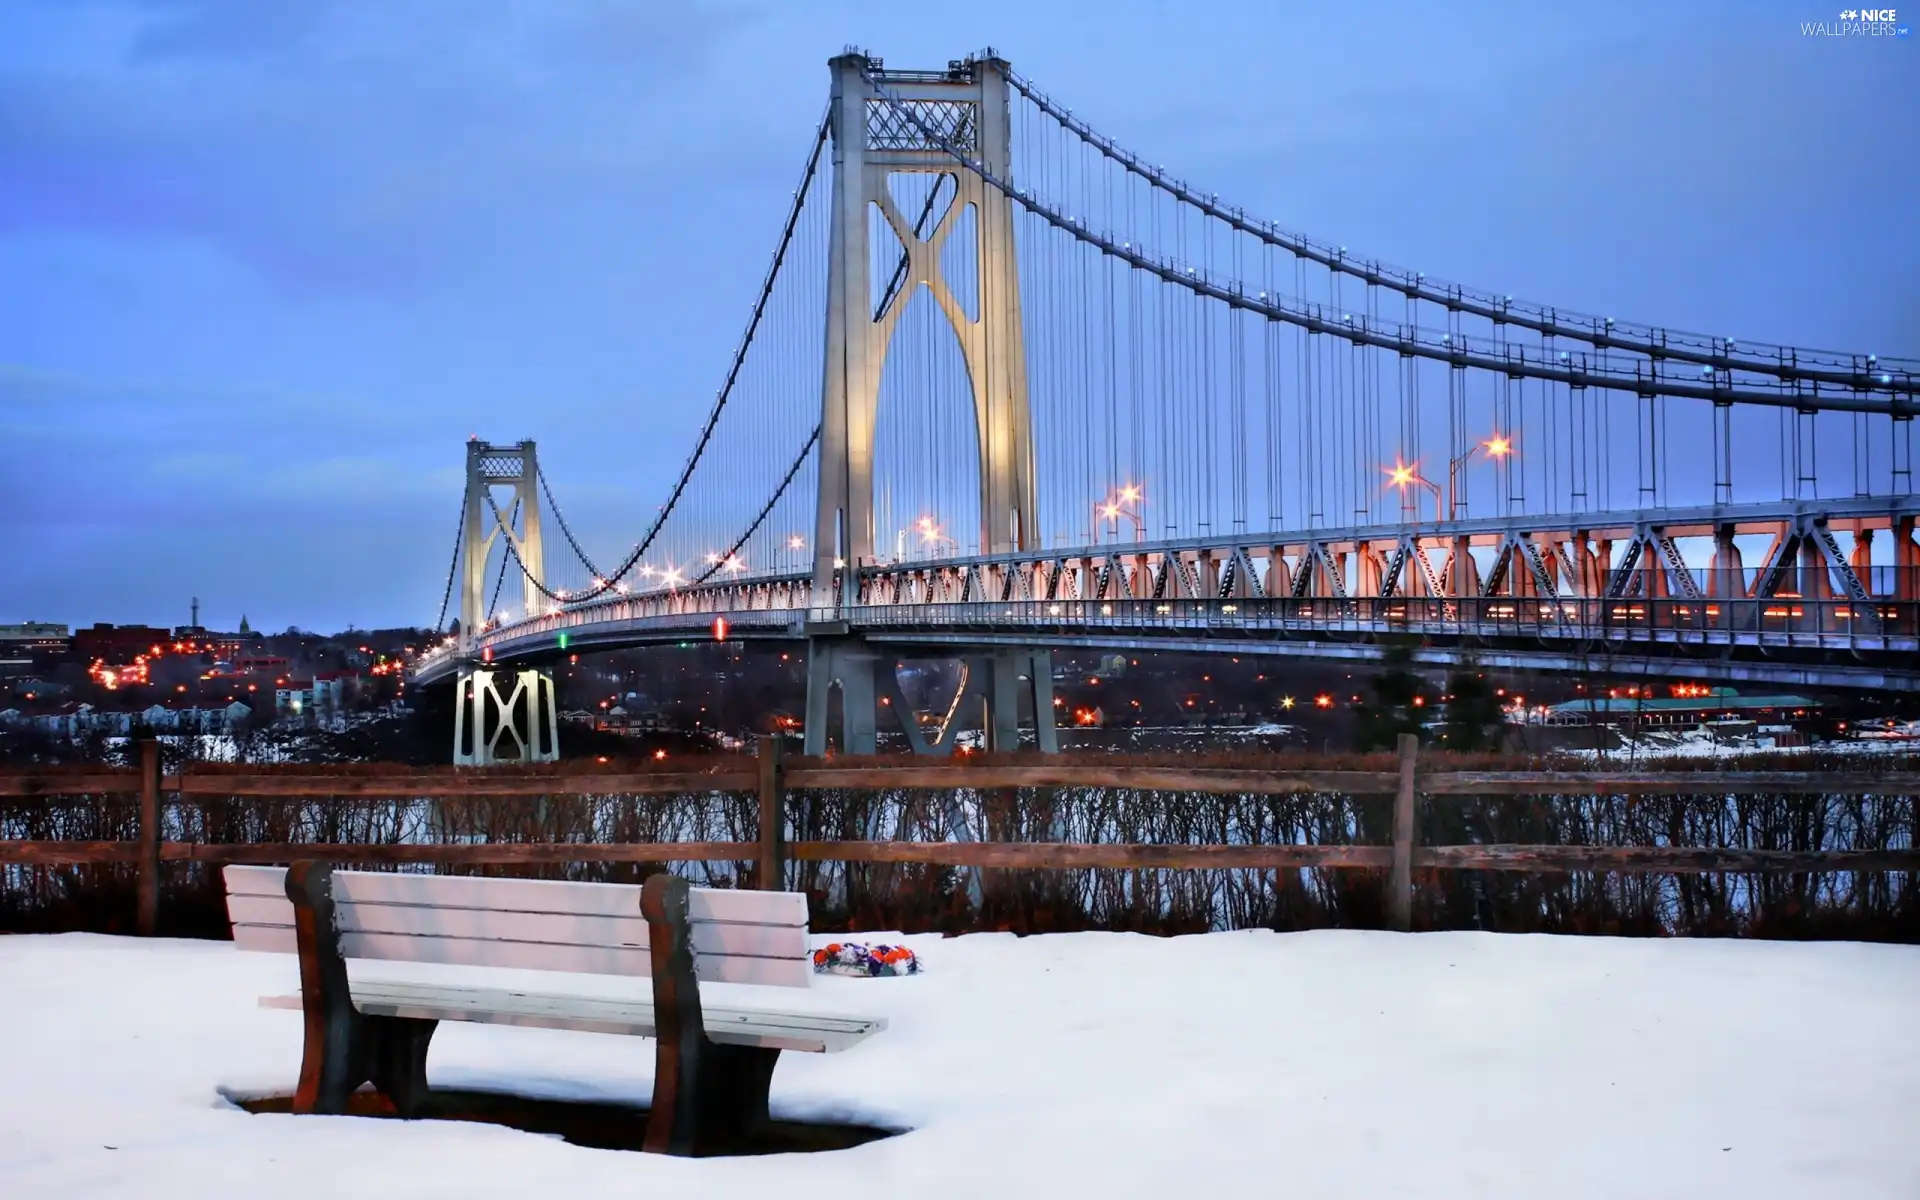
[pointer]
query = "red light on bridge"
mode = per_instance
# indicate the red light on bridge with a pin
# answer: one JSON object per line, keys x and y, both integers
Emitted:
{"x": 486, "y": 655}
{"x": 719, "y": 629}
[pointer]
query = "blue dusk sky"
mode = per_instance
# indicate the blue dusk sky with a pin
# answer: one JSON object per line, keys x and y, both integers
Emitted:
{"x": 266, "y": 264}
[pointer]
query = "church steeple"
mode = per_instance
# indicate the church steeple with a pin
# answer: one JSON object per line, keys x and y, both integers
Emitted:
{"x": 245, "y": 629}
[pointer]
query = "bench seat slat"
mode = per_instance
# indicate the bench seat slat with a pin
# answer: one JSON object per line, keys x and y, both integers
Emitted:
{"x": 765, "y": 941}
{"x": 431, "y": 992}
{"x": 526, "y": 895}
{"x": 815, "y": 1033}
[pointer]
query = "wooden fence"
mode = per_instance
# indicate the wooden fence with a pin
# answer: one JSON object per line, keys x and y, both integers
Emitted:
{"x": 772, "y": 778}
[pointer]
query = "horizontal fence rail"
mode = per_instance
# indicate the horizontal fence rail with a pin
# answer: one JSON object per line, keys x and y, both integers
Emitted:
{"x": 460, "y": 781}
{"x": 774, "y": 782}
{"x": 1038, "y": 856}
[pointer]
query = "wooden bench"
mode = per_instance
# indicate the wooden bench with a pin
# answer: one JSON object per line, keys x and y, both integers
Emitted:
{"x": 713, "y": 1066}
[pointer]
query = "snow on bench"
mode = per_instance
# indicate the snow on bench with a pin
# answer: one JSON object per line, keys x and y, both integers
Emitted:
{"x": 713, "y": 1066}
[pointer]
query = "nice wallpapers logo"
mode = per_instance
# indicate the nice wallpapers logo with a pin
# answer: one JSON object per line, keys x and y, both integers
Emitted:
{"x": 1860, "y": 22}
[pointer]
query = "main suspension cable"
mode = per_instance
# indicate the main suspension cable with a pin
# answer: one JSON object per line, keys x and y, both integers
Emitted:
{"x": 1782, "y": 362}
{"x": 608, "y": 581}
{"x": 1646, "y": 378}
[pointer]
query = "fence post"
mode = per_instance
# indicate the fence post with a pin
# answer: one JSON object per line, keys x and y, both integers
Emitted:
{"x": 773, "y": 849}
{"x": 147, "y": 910}
{"x": 1400, "y": 881}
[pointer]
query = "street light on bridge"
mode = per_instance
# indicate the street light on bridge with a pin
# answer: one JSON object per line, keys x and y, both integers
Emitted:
{"x": 930, "y": 534}
{"x": 1115, "y": 506}
{"x": 1405, "y": 475}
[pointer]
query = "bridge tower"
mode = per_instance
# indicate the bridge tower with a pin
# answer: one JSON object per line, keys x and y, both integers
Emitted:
{"x": 967, "y": 104}
{"x": 502, "y": 715}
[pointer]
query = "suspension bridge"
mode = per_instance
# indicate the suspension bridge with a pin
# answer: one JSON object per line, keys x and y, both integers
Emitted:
{"x": 1008, "y": 387}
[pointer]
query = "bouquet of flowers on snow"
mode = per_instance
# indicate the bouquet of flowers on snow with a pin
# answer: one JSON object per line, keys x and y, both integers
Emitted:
{"x": 863, "y": 961}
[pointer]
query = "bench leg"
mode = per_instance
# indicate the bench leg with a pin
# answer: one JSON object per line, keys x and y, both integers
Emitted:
{"x": 332, "y": 1060}
{"x": 346, "y": 1050}
{"x": 710, "y": 1097}
{"x": 705, "y": 1094}
{"x": 397, "y": 1060}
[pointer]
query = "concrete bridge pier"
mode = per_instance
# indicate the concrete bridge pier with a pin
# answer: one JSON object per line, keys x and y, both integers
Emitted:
{"x": 505, "y": 716}
{"x": 998, "y": 686}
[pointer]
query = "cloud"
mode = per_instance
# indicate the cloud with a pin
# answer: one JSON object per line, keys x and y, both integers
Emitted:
{"x": 352, "y": 146}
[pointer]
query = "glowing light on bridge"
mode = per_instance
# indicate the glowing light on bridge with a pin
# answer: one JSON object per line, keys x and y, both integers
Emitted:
{"x": 796, "y": 542}
{"x": 1499, "y": 446}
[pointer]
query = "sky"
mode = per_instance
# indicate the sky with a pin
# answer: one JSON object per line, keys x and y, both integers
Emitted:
{"x": 265, "y": 267}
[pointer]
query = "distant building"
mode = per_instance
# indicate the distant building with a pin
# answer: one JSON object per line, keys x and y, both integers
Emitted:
{"x": 35, "y": 631}
{"x": 324, "y": 692}
{"x": 295, "y": 696}
{"x": 1718, "y": 705}
{"x": 118, "y": 643}
{"x": 30, "y": 644}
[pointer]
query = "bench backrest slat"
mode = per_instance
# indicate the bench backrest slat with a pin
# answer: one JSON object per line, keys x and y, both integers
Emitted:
{"x": 529, "y": 924}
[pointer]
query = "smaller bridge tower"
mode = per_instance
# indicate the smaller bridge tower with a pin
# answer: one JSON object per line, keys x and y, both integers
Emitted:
{"x": 502, "y": 715}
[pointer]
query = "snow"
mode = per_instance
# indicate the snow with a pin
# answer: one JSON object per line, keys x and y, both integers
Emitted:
{"x": 1230, "y": 1064}
{"x": 1653, "y": 745}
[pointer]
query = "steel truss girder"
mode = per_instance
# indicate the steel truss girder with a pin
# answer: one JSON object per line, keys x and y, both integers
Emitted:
{"x": 1302, "y": 568}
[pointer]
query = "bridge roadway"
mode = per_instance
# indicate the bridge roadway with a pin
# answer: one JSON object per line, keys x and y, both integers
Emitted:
{"x": 1602, "y": 592}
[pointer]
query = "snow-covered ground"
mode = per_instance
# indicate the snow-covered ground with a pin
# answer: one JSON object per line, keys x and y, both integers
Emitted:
{"x": 1226, "y": 1065}
{"x": 1701, "y": 743}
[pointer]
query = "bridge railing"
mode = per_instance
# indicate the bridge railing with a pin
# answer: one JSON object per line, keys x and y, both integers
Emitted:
{"x": 1784, "y": 620}
{"x": 750, "y": 811}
